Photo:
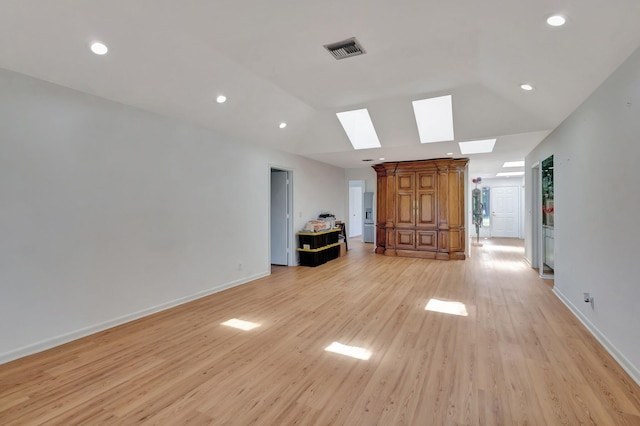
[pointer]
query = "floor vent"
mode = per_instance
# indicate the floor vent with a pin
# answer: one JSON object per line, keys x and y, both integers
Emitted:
{"x": 345, "y": 48}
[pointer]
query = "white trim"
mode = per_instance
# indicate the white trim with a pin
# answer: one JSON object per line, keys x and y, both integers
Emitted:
{"x": 627, "y": 365}
{"x": 83, "y": 332}
{"x": 527, "y": 261}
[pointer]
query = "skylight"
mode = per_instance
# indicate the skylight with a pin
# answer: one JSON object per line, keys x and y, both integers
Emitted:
{"x": 434, "y": 117}
{"x": 477, "y": 147}
{"x": 513, "y": 164}
{"x": 507, "y": 174}
{"x": 359, "y": 128}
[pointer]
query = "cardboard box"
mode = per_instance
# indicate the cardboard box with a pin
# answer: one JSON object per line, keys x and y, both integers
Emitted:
{"x": 343, "y": 249}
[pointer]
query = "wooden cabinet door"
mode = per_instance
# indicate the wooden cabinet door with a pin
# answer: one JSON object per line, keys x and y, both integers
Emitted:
{"x": 406, "y": 239}
{"x": 426, "y": 200}
{"x": 427, "y": 240}
{"x": 405, "y": 199}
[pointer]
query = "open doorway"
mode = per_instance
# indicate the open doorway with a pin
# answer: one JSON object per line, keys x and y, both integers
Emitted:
{"x": 356, "y": 191}
{"x": 535, "y": 216}
{"x": 547, "y": 244}
{"x": 542, "y": 224}
{"x": 280, "y": 218}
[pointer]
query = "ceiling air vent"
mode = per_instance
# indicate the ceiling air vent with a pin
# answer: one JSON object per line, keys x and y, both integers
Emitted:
{"x": 345, "y": 48}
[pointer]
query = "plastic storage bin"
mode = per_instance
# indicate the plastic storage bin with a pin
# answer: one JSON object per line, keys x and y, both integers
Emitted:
{"x": 319, "y": 256}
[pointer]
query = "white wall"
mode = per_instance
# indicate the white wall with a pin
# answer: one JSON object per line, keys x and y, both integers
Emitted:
{"x": 367, "y": 174}
{"x": 596, "y": 152}
{"x": 108, "y": 213}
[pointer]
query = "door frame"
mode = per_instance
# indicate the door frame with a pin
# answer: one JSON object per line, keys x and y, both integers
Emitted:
{"x": 356, "y": 183}
{"x": 291, "y": 253}
{"x": 536, "y": 220}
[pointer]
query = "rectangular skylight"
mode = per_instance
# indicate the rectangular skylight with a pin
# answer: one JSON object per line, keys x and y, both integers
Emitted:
{"x": 359, "y": 128}
{"x": 435, "y": 119}
{"x": 477, "y": 147}
{"x": 506, "y": 174}
{"x": 513, "y": 164}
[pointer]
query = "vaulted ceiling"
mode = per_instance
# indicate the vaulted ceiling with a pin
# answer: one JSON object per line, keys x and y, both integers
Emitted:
{"x": 175, "y": 57}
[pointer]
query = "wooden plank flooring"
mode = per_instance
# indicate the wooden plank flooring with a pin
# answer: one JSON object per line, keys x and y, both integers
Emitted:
{"x": 518, "y": 357}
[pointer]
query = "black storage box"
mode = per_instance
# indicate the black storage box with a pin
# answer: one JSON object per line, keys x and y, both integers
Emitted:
{"x": 316, "y": 240}
{"x": 319, "y": 256}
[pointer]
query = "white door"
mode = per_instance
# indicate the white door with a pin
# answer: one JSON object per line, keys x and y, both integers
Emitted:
{"x": 505, "y": 212}
{"x": 279, "y": 203}
{"x": 355, "y": 210}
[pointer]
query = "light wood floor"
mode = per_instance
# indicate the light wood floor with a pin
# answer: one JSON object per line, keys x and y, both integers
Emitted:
{"x": 518, "y": 357}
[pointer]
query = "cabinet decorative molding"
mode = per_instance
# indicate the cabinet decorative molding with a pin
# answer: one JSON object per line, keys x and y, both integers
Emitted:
{"x": 420, "y": 208}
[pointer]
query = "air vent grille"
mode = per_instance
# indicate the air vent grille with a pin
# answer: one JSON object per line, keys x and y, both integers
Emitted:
{"x": 345, "y": 49}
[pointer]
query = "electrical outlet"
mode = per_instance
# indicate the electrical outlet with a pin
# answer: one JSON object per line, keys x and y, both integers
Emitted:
{"x": 587, "y": 297}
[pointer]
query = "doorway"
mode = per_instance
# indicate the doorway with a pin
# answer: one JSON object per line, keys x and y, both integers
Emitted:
{"x": 535, "y": 216}
{"x": 505, "y": 212}
{"x": 542, "y": 223}
{"x": 356, "y": 190}
{"x": 280, "y": 218}
{"x": 547, "y": 243}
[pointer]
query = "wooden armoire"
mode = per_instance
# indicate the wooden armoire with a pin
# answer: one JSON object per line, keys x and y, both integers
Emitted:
{"x": 420, "y": 208}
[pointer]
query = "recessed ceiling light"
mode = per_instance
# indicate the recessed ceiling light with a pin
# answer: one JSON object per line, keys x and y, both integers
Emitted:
{"x": 434, "y": 118}
{"x": 359, "y": 128}
{"x": 381, "y": 158}
{"x": 556, "y": 20}
{"x": 449, "y": 153}
{"x": 221, "y": 99}
{"x": 526, "y": 87}
{"x": 99, "y": 48}
{"x": 477, "y": 147}
{"x": 282, "y": 125}
{"x": 513, "y": 164}
{"x": 507, "y": 174}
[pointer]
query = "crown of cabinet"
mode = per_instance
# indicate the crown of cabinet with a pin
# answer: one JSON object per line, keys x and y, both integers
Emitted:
{"x": 420, "y": 207}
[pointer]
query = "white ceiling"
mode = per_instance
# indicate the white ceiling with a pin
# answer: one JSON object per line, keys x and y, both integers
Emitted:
{"x": 175, "y": 57}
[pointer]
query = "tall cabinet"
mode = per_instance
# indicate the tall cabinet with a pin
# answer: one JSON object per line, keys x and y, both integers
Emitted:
{"x": 420, "y": 207}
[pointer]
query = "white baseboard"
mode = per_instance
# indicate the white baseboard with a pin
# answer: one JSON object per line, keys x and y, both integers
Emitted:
{"x": 527, "y": 261}
{"x": 83, "y": 332}
{"x": 627, "y": 365}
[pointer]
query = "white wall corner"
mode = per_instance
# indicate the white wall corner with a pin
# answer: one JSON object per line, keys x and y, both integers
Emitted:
{"x": 87, "y": 331}
{"x": 623, "y": 361}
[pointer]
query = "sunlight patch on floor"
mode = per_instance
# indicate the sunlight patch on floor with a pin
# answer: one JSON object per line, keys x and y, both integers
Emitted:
{"x": 352, "y": 351}
{"x": 513, "y": 265}
{"x": 447, "y": 307}
{"x": 241, "y": 324}
{"x": 503, "y": 249}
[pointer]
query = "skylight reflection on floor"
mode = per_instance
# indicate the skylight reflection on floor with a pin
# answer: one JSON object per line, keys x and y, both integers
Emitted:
{"x": 352, "y": 351}
{"x": 241, "y": 324}
{"x": 503, "y": 249}
{"x": 447, "y": 307}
